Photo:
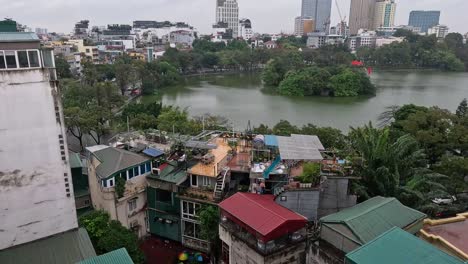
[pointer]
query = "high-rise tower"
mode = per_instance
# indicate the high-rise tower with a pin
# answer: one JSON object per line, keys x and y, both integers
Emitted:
{"x": 384, "y": 15}
{"x": 227, "y": 11}
{"x": 361, "y": 15}
{"x": 319, "y": 11}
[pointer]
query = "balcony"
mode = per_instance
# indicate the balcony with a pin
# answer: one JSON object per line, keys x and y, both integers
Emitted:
{"x": 200, "y": 194}
{"x": 196, "y": 244}
{"x": 264, "y": 249}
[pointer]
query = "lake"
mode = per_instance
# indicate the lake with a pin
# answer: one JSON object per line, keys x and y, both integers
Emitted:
{"x": 242, "y": 97}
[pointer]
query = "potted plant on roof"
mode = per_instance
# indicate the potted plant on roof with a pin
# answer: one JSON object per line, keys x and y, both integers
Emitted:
{"x": 310, "y": 176}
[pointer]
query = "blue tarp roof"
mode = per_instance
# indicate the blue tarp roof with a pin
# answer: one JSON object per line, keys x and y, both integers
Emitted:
{"x": 271, "y": 141}
{"x": 152, "y": 152}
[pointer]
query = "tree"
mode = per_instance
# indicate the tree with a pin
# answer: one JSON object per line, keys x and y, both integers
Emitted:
{"x": 62, "y": 67}
{"x": 125, "y": 73}
{"x": 119, "y": 187}
{"x": 331, "y": 138}
{"x": 350, "y": 83}
{"x": 209, "y": 223}
{"x": 109, "y": 235}
{"x": 174, "y": 119}
{"x": 284, "y": 128}
{"x": 462, "y": 110}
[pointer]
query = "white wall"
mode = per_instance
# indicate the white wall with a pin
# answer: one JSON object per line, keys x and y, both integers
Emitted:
{"x": 33, "y": 196}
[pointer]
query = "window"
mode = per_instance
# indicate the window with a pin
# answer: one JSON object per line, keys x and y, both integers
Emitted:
{"x": 143, "y": 169}
{"x": 2, "y": 60}
{"x": 10, "y": 58}
{"x": 148, "y": 166}
{"x": 206, "y": 181}
{"x": 130, "y": 173}
{"x": 136, "y": 171}
{"x": 163, "y": 196}
{"x": 123, "y": 175}
{"x": 189, "y": 210}
{"x": 23, "y": 59}
{"x": 194, "y": 180}
{"x": 87, "y": 50}
{"x": 48, "y": 57}
{"x": 111, "y": 182}
{"x": 132, "y": 205}
{"x": 33, "y": 58}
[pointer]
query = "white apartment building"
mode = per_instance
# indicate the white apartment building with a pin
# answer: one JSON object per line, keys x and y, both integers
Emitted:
{"x": 36, "y": 189}
{"x": 379, "y": 42}
{"x": 384, "y": 15}
{"x": 363, "y": 39}
{"x": 227, "y": 11}
{"x": 440, "y": 31}
{"x": 245, "y": 29}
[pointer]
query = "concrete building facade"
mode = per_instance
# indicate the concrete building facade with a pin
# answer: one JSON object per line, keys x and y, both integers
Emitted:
{"x": 227, "y": 11}
{"x": 440, "y": 31}
{"x": 105, "y": 165}
{"x": 384, "y": 15}
{"x": 36, "y": 189}
{"x": 424, "y": 19}
{"x": 361, "y": 15}
{"x": 245, "y": 29}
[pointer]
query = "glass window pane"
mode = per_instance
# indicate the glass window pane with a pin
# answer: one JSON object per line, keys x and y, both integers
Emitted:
{"x": 2, "y": 60}
{"x": 23, "y": 59}
{"x": 33, "y": 59}
{"x": 10, "y": 59}
{"x": 191, "y": 209}
{"x": 143, "y": 169}
{"x": 148, "y": 166}
{"x": 135, "y": 171}
{"x": 130, "y": 173}
{"x": 48, "y": 58}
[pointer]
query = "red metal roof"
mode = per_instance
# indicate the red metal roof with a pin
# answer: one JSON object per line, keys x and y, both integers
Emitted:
{"x": 261, "y": 215}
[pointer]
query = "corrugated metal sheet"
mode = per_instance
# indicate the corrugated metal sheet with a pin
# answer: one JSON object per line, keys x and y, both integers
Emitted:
{"x": 262, "y": 214}
{"x": 18, "y": 37}
{"x": 152, "y": 152}
{"x": 374, "y": 217}
{"x": 119, "y": 256}
{"x": 300, "y": 147}
{"x": 66, "y": 248}
{"x": 114, "y": 160}
{"x": 75, "y": 160}
{"x": 398, "y": 246}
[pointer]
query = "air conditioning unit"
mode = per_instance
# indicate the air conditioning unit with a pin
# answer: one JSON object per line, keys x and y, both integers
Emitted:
{"x": 156, "y": 171}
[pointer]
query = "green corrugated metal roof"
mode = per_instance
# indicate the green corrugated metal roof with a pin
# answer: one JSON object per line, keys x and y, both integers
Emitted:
{"x": 398, "y": 246}
{"x": 75, "y": 160}
{"x": 114, "y": 160}
{"x": 373, "y": 217}
{"x": 172, "y": 173}
{"x": 65, "y": 248}
{"x": 18, "y": 37}
{"x": 119, "y": 256}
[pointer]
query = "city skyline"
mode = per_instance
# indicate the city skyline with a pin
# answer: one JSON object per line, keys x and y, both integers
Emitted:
{"x": 278, "y": 17}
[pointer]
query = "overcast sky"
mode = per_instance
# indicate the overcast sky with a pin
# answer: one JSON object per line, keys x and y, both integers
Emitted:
{"x": 268, "y": 16}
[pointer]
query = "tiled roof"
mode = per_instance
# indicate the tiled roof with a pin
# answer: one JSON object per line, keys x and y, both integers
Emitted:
{"x": 373, "y": 217}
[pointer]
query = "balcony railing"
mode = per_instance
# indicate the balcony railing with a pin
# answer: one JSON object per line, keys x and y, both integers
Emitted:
{"x": 197, "y": 244}
{"x": 260, "y": 247}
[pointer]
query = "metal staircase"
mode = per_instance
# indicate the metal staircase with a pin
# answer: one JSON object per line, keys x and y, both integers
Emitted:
{"x": 220, "y": 184}
{"x": 269, "y": 170}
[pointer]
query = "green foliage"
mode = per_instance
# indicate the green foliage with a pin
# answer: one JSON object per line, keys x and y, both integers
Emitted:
{"x": 209, "y": 222}
{"x": 339, "y": 81}
{"x": 107, "y": 235}
{"x": 119, "y": 186}
{"x": 462, "y": 109}
{"x": 62, "y": 67}
{"x": 331, "y": 138}
{"x": 310, "y": 174}
{"x": 174, "y": 119}
{"x": 284, "y": 128}
{"x": 419, "y": 51}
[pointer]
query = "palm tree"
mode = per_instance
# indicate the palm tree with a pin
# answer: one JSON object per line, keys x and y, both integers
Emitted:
{"x": 395, "y": 168}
